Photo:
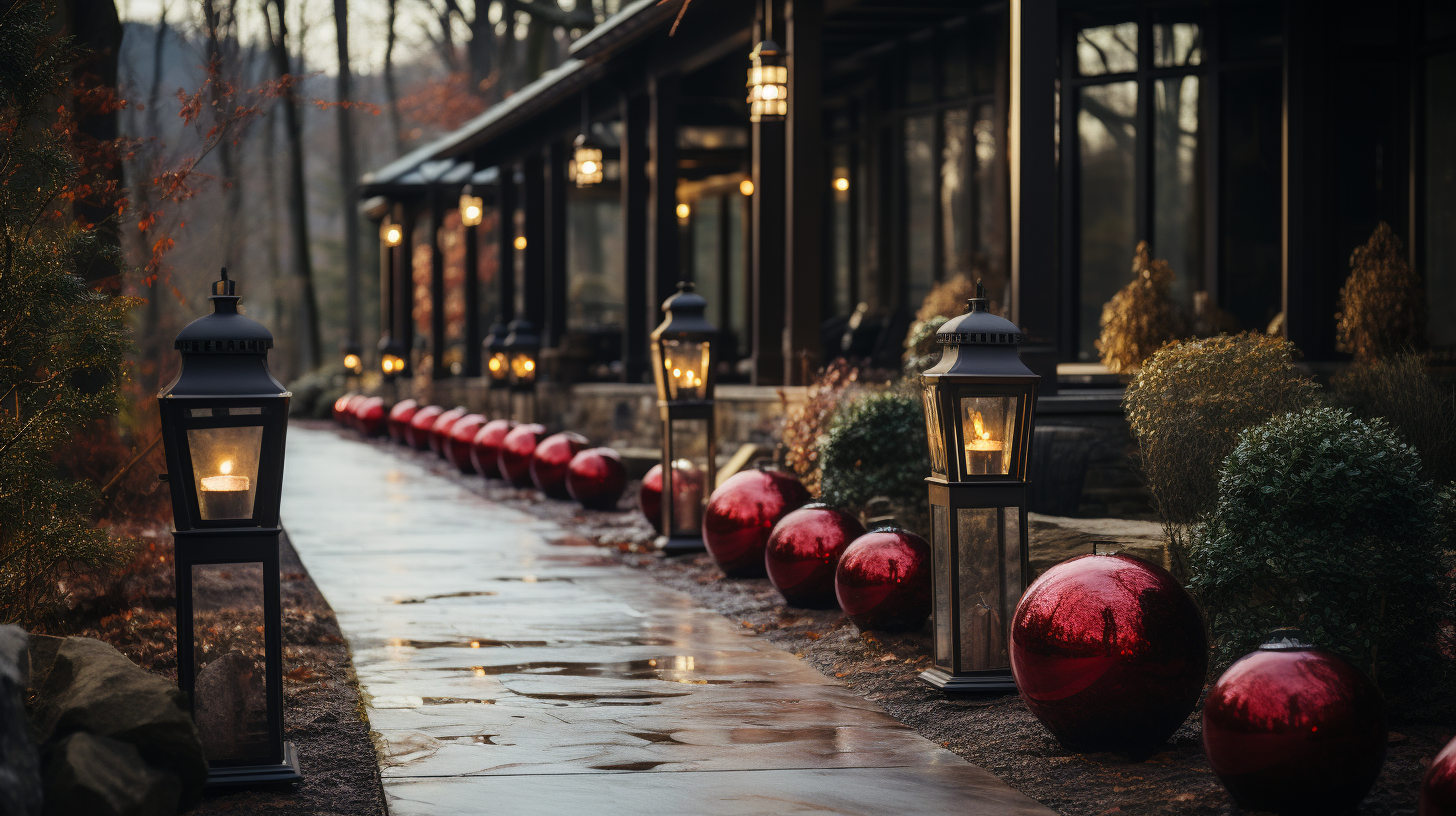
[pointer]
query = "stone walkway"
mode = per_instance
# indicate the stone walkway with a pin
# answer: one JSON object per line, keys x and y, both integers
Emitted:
{"x": 507, "y": 675}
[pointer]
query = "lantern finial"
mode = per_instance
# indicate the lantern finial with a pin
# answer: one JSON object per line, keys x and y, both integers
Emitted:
{"x": 685, "y": 286}
{"x": 224, "y": 287}
{"x": 979, "y": 303}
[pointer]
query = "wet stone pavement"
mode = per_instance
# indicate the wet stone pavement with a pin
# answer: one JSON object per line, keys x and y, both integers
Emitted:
{"x": 506, "y": 675}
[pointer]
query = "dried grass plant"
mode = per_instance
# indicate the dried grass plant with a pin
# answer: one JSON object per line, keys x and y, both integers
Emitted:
{"x": 1142, "y": 317}
{"x": 1420, "y": 409}
{"x": 804, "y": 426}
{"x": 1382, "y": 308}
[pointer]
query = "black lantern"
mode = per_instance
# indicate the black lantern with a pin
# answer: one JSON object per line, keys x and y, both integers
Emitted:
{"x": 353, "y": 357}
{"x": 521, "y": 348}
{"x": 768, "y": 83}
{"x": 682, "y": 362}
{"x": 392, "y": 362}
{"x": 223, "y": 425}
{"x": 979, "y": 405}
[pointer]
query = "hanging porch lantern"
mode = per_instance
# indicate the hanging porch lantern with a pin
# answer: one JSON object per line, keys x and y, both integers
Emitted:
{"x": 682, "y": 364}
{"x": 391, "y": 233}
{"x": 979, "y": 408}
{"x": 587, "y": 161}
{"x": 472, "y": 208}
{"x": 223, "y": 424}
{"x": 768, "y": 83}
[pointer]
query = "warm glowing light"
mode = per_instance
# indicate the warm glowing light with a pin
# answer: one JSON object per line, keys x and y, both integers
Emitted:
{"x": 391, "y": 234}
{"x": 683, "y": 211}
{"x": 226, "y": 467}
{"x": 841, "y": 184}
{"x": 768, "y": 83}
{"x": 587, "y": 161}
{"x": 980, "y": 438}
{"x": 475, "y": 644}
{"x": 351, "y": 361}
{"x": 745, "y": 187}
{"x": 495, "y": 364}
{"x": 530, "y": 365}
{"x": 520, "y": 242}
{"x": 472, "y": 209}
{"x": 677, "y": 372}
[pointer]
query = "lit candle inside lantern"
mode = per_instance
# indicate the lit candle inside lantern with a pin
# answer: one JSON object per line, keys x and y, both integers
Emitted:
{"x": 226, "y": 496}
{"x": 983, "y": 454}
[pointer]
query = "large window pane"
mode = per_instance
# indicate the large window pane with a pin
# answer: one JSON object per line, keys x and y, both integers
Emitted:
{"x": 422, "y": 307}
{"x": 1178, "y": 183}
{"x": 450, "y": 237}
{"x": 1107, "y": 140}
{"x": 737, "y": 318}
{"x": 842, "y": 236}
{"x": 1177, "y": 44}
{"x": 1440, "y": 227}
{"x": 954, "y": 195}
{"x": 989, "y": 250}
{"x": 1110, "y": 49}
{"x": 1250, "y": 167}
{"x": 594, "y": 263}
{"x": 487, "y": 266}
{"x": 919, "y": 206}
{"x": 707, "y": 252}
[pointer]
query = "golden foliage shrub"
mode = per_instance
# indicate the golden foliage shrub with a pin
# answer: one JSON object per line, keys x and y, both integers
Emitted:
{"x": 1382, "y": 307}
{"x": 1142, "y": 317}
{"x": 803, "y": 427}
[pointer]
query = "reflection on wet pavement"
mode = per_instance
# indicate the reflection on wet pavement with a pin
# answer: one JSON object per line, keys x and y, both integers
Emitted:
{"x": 488, "y": 658}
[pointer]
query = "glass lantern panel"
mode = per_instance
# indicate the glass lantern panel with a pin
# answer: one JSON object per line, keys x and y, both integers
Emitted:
{"x": 498, "y": 366}
{"x": 988, "y": 582}
{"x": 685, "y": 369}
{"x": 940, "y": 565}
{"x": 229, "y": 699}
{"x": 523, "y": 367}
{"x": 690, "y": 477}
{"x": 225, "y": 470}
{"x": 988, "y": 430}
{"x": 934, "y": 431}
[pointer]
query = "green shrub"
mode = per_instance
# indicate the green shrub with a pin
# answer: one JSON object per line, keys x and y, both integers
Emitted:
{"x": 876, "y": 446}
{"x": 1419, "y": 409}
{"x": 1324, "y": 522}
{"x": 1187, "y": 407}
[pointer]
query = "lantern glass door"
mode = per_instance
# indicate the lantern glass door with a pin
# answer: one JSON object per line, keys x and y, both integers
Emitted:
{"x": 934, "y": 432}
{"x": 225, "y": 470}
{"x": 989, "y": 542}
{"x": 689, "y": 475}
{"x": 683, "y": 368}
{"x": 943, "y": 616}
{"x": 229, "y": 699}
{"x": 988, "y": 433}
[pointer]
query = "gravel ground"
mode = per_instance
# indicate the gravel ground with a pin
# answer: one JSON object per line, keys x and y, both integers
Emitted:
{"x": 997, "y": 733}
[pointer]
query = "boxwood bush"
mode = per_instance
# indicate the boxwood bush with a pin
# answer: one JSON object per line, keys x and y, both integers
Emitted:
{"x": 1324, "y": 522}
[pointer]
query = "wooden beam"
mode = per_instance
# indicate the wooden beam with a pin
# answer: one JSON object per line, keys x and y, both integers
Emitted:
{"x": 804, "y": 193}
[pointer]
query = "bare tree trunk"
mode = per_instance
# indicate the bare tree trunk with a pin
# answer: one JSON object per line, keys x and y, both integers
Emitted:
{"x": 391, "y": 91}
{"x": 287, "y": 360}
{"x": 308, "y": 334}
{"x": 216, "y": 25}
{"x": 509, "y": 71}
{"x": 348, "y": 169}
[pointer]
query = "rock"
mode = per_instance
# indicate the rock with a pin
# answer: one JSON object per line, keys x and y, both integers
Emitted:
{"x": 42, "y": 657}
{"x": 20, "y": 788}
{"x": 94, "y": 688}
{"x": 228, "y": 700}
{"x": 98, "y": 776}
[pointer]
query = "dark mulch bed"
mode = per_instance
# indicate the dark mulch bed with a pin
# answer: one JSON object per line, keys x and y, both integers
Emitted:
{"x": 996, "y": 733}
{"x": 134, "y": 610}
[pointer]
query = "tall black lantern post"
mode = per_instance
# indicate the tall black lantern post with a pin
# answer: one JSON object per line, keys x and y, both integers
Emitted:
{"x": 682, "y": 362}
{"x": 223, "y": 424}
{"x": 521, "y": 347}
{"x": 979, "y": 405}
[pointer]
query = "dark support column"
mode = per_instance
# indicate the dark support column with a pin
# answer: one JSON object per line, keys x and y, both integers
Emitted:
{"x": 556, "y": 245}
{"x": 1032, "y": 154}
{"x": 533, "y": 199}
{"x": 386, "y": 286}
{"x": 473, "y": 333}
{"x": 634, "y": 238}
{"x": 1307, "y": 258}
{"x": 768, "y": 253}
{"x": 438, "y": 370}
{"x": 404, "y": 284}
{"x": 805, "y": 196}
{"x": 663, "y": 242}
{"x": 506, "y": 241}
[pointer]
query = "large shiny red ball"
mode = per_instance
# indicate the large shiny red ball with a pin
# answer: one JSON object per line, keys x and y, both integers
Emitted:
{"x": 440, "y": 431}
{"x": 883, "y": 580}
{"x": 485, "y": 448}
{"x": 417, "y": 433}
{"x": 351, "y": 410}
{"x": 1109, "y": 652}
{"x": 457, "y": 444}
{"x": 399, "y": 418}
{"x": 341, "y": 405}
{"x": 517, "y": 450}
{"x": 803, "y": 552}
{"x": 596, "y": 477}
{"x": 742, "y": 513}
{"x": 687, "y": 483}
{"x": 370, "y": 416}
{"x": 1438, "y": 787}
{"x": 1294, "y": 729}
{"x": 550, "y": 460}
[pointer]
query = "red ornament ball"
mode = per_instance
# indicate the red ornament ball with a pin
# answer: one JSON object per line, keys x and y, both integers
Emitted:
{"x": 803, "y": 553}
{"x": 883, "y": 580}
{"x": 440, "y": 431}
{"x": 1294, "y": 729}
{"x": 341, "y": 407}
{"x": 370, "y": 415}
{"x": 517, "y": 451}
{"x": 596, "y": 477}
{"x": 550, "y": 460}
{"x": 687, "y": 481}
{"x": 351, "y": 411}
{"x": 1438, "y": 787}
{"x": 417, "y": 433}
{"x": 457, "y": 444}
{"x": 485, "y": 448}
{"x": 399, "y": 418}
{"x": 1109, "y": 652}
{"x": 742, "y": 513}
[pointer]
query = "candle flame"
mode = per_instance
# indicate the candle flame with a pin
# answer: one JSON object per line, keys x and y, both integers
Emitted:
{"x": 980, "y": 426}
{"x": 226, "y": 467}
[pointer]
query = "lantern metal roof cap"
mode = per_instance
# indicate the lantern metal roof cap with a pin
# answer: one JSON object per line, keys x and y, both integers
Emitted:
{"x": 522, "y": 335}
{"x": 224, "y": 353}
{"x": 978, "y": 325}
{"x": 388, "y": 345}
{"x": 685, "y": 313}
{"x": 766, "y": 49}
{"x": 495, "y": 337}
{"x": 979, "y": 344}
{"x": 585, "y": 139}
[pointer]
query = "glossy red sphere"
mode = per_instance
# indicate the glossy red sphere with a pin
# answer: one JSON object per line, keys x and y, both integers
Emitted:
{"x": 596, "y": 477}
{"x": 1438, "y": 788}
{"x": 341, "y": 405}
{"x": 351, "y": 411}
{"x": 457, "y": 444}
{"x": 883, "y": 580}
{"x": 1293, "y": 729}
{"x": 370, "y": 416}
{"x": 517, "y": 451}
{"x": 440, "y": 431}
{"x": 686, "y": 481}
{"x": 417, "y": 434}
{"x": 399, "y": 418}
{"x": 803, "y": 552}
{"x": 550, "y": 460}
{"x": 742, "y": 513}
{"x": 485, "y": 448}
{"x": 1109, "y": 652}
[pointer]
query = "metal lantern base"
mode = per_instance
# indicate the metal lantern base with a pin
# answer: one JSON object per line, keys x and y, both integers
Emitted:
{"x": 995, "y": 682}
{"x": 680, "y": 545}
{"x": 257, "y": 776}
